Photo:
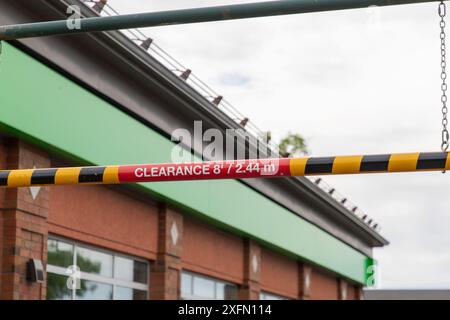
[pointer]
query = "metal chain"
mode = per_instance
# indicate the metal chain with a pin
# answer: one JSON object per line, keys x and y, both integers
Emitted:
{"x": 445, "y": 134}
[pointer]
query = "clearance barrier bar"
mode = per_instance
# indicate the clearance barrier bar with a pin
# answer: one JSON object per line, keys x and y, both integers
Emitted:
{"x": 174, "y": 17}
{"x": 231, "y": 169}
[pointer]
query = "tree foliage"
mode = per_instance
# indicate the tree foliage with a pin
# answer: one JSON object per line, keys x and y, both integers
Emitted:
{"x": 293, "y": 145}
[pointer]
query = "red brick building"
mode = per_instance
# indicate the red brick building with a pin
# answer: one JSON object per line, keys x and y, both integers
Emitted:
{"x": 101, "y": 99}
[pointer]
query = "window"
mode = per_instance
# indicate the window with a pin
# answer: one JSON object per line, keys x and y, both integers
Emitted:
{"x": 270, "y": 296}
{"x": 103, "y": 275}
{"x": 197, "y": 287}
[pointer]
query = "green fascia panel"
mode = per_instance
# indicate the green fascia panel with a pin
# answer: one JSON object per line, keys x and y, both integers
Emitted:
{"x": 42, "y": 106}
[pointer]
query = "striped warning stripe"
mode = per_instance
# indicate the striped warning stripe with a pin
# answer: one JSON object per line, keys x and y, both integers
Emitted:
{"x": 432, "y": 161}
{"x": 241, "y": 169}
{"x": 59, "y": 176}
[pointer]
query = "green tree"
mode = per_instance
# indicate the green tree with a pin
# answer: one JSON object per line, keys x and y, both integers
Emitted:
{"x": 293, "y": 145}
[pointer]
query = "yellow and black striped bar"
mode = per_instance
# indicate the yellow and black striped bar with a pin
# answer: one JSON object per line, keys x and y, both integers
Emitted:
{"x": 228, "y": 169}
{"x": 397, "y": 162}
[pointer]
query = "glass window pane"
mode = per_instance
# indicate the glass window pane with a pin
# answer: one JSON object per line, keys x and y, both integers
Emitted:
{"x": 186, "y": 284}
{"x": 59, "y": 253}
{"x": 204, "y": 288}
{"x": 140, "y": 272}
{"x": 139, "y": 295}
{"x": 122, "y": 293}
{"x": 91, "y": 290}
{"x": 57, "y": 287}
{"x": 123, "y": 268}
{"x": 220, "y": 291}
{"x": 230, "y": 292}
{"x": 270, "y": 296}
{"x": 95, "y": 262}
{"x": 225, "y": 291}
{"x": 130, "y": 270}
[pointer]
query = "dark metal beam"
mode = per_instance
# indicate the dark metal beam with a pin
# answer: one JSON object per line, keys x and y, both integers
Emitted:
{"x": 218, "y": 13}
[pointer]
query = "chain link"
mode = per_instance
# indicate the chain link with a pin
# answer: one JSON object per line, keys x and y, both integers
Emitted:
{"x": 445, "y": 134}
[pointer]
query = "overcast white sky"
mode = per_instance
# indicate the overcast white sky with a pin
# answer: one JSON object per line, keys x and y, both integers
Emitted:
{"x": 362, "y": 81}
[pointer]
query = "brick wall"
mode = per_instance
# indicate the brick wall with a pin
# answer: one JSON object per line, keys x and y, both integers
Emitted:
{"x": 279, "y": 274}
{"x": 250, "y": 288}
{"x": 105, "y": 217}
{"x": 24, "y": 226}
{"x": 209, "y": 250}
{"x": 324, "y": 285}
{"x": 166, "y": 269}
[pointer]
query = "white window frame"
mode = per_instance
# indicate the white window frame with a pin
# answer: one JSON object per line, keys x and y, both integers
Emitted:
{"x": 61, "y": 271}
{"x": 192, "y": 296}
{"x": 263, "y": 295}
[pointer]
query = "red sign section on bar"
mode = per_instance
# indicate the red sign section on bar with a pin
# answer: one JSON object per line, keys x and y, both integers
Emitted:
{"x": 233, "y": 169}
